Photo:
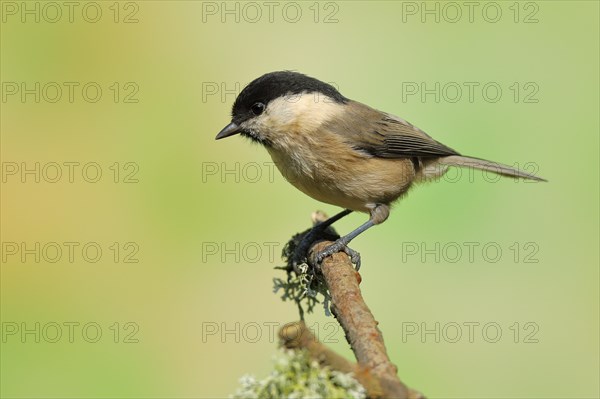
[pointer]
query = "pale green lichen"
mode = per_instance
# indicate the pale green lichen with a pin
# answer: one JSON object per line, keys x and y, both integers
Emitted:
{"x": 296, "y": 376}
{"x": 303, "y": 289}
{"x": 303, "y": 284}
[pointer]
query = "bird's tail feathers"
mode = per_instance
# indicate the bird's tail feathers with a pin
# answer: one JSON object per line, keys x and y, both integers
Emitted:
{"x": 482, "y": 164}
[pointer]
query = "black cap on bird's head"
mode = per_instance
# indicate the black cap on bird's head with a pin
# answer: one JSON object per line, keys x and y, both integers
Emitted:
{"x": 255, "y": 97}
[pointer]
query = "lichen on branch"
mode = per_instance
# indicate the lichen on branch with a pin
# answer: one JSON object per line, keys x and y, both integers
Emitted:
{"x": 297, "y": 375}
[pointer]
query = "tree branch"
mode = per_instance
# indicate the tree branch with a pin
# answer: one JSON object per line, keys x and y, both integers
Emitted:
{"x": 296, "y": 335}
{"x": 374, "y": 369}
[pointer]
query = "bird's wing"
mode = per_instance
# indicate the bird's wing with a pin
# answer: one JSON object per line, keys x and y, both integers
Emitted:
{"x": 386, "y": 136}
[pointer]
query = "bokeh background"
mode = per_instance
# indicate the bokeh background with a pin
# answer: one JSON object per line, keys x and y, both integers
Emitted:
{"x": 184, "y": 301}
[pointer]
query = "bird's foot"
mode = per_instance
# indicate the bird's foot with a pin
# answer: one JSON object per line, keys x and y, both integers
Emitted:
{"x": 301, "y": 252}
{"x": 337, "y": 246}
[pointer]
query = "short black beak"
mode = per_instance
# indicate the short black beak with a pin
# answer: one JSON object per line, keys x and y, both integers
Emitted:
{"x": 228, "y": 130}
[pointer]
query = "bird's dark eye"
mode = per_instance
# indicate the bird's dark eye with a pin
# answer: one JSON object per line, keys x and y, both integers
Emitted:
{"x": 257, "y": 108}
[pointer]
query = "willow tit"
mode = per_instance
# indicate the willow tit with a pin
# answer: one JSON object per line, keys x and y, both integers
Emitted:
{"x": 340, "y": 151}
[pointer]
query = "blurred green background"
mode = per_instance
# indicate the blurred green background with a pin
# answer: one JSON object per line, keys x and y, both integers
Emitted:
{"x": 202, "y": 218}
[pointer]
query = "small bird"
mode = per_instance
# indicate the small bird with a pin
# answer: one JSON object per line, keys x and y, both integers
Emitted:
{"x": 340, "y": 151}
